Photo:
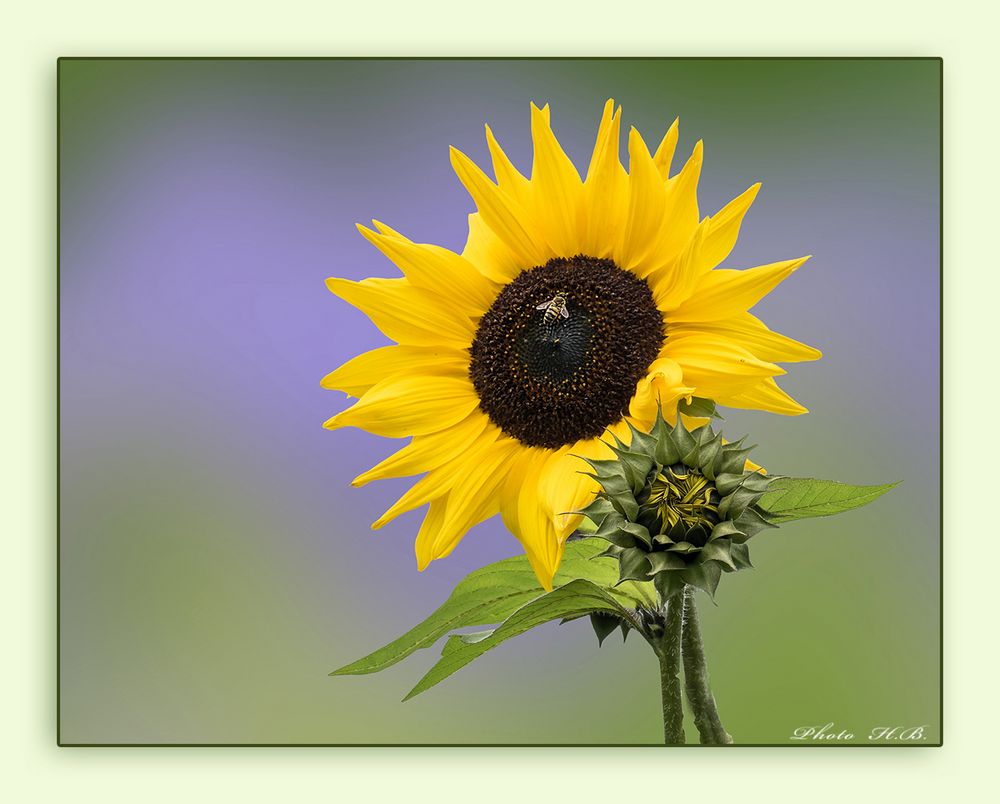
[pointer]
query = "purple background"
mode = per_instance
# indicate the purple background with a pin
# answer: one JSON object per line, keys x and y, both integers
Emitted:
{"x": 215, "y": 562}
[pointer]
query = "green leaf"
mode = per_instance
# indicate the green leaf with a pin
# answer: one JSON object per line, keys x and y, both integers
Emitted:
{"x": 699, "y": 407}
{"x": 790, "y": 498}
{"x": 574, "y": 599}
{"x": 492, "y": 593}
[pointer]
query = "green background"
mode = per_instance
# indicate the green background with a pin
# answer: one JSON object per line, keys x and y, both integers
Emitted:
{"x": 212, "y": 573}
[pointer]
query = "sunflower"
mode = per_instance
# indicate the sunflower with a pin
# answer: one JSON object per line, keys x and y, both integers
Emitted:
{"x": 577, "y": 308}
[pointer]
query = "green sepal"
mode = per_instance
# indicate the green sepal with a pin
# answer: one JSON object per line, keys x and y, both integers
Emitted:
{"x": 666, "y": 453}
{"x": 638, "y": 532}
{"x": 633, "y": 565}
{"x": 708, "y": 454}
{"x": 604, "y": 467}
{"x": 660, "y": 428}
{"x": 704, "y": 576}
{"x": 726, "y": 529}
{"x": 741, "y": 556}
{"x": 697, "y": 535}
{"x": 636, "y": 468}
{"x": 690, "y": 458}
{"x": 678, "y": 532}
{"x": 721, "y": 551}
{"x": 733, "y": 506}
{"x": 733, "y": 461}
{"x": 704, "y": 435}
{"x": 612, "y": 551}
{"x": 625, "y": 504}
{"x": 641, "y": 442}
{"x": 668, "y": 584}
{"x": 682, "y": 440}
{"x": 728, "y": 482}
{"x": 604, "y": 625}
{"x": 665, "y": 561}
{"x": 753, "y": 522}
{"x": 597, "y": 510}
{"x": 610, "y": 531}
{"x": 758, "y": 483}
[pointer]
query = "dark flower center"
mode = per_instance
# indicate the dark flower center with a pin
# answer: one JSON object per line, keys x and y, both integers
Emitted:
{"x": 556, "y": 358}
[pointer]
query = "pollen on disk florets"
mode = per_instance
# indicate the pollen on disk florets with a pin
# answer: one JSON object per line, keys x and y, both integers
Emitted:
{"x": 557, "y": 356}
{"x": 678, "y": 506}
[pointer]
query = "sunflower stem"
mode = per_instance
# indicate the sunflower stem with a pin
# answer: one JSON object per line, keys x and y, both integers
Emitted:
{"x": 669, "y": 654}
{"x": 696, "y": 686}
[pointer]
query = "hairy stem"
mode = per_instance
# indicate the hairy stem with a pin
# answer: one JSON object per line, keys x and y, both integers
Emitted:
{"x": 699, "y": 693}
{"x": 669, "y": 654}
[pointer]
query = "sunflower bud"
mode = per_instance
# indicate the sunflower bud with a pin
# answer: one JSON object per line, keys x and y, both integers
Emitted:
{"x": 678, "y": 506}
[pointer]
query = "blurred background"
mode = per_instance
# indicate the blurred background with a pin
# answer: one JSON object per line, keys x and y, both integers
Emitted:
{"x": 215, "y": 562}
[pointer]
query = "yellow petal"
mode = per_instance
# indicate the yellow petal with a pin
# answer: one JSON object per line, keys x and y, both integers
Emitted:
{"x": 725, "y": 229}
{"x": 566, "y": 486}
{"x": 362, "y": 372}
{"x": 660, "y": 390}
{"x": 435, "y": 269}
{"x": 526, "y": 517}
{"x": 406, "y": 314}
{"x": 428, "y": 452}
{"x": 489, "y": 254}
{"x": 475, "y": 497}
{"x": 603, "y": 129}
{"x": 680, "y": 213}
{"x": 410, "y": 405}
{"x": 645, "y": 207}
{"x": 715, "y": 365}
{"x": 665, "y": 152}
{"x": 725, "y": 293}
{"x": 509, "y": 178}
{"x": 556, "y": 189}
{"x": 502, "y": 213}
{"x": 674, "y": 282}
{"x": 430, "y": 526}
{"x": 752, "y": 333}
{"x": 547, "y": 571}
{"x": 440, "y": 481}
{"x": 605, "y": 192}
{"x": 767, "y": 396}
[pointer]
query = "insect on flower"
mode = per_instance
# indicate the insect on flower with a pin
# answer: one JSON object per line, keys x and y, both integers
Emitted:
{"x": 554, "y": 307}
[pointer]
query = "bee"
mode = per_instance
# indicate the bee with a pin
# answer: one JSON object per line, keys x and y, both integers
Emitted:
{"x": 554, "y": 307}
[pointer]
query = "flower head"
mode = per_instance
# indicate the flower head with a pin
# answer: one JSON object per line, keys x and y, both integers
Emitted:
{"x": 578, "y": 307}
{"x": 678, "y": 507}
